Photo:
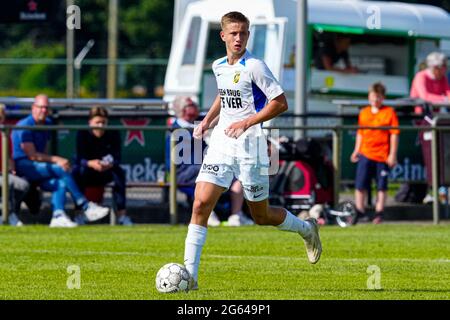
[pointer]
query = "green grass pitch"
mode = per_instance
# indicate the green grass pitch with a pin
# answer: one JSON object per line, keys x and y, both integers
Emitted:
{"x": 237, "y": 263}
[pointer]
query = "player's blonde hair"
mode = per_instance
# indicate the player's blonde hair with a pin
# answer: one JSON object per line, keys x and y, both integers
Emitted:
{"x": 234, "y": 17}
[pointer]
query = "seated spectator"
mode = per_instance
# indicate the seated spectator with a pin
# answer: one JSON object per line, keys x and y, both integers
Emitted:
{"x": 375, "y": 151}
{"x": 331, "y": 50}
{"x": 187, "y": 112}
{"x": 18, "y": 187}
{"x": 431, "y": 85}
{"x": 97, "y": 162}
{"x": 50, "y": 172}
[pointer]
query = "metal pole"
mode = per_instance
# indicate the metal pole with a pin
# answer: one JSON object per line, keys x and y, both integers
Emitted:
{"x": 5, "y": 178}
{"x": 301, "y": 57}
{"x": 112, "y": 49}
{"x": 173, "y": 183}
{"x": 76, "y": 90}
{"x": 70, "y": 40}
{"x": 336, "y": 164}
{"x": 434, "y": 172}
{"x": 77, "y": 64}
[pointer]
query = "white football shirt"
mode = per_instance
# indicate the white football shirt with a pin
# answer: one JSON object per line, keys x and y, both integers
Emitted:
{"x": 244, "y": 89}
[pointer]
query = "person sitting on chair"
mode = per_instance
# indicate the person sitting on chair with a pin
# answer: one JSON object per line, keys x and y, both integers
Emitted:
{"x": 50, "y": 172}
{"x": 18, "y": 187}
{"x": 331, "y": 50}
{"x": 97, "y": 161}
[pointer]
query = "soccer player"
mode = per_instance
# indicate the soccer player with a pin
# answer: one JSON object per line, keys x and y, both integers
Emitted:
{"x": 238, "y": 146}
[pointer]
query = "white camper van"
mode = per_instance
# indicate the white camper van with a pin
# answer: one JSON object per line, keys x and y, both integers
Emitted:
{"x": 389, "y": 40}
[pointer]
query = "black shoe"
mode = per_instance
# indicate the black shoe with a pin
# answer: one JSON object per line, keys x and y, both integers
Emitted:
{"x": 378, "y": 218}
{"x": 361, "y": 217}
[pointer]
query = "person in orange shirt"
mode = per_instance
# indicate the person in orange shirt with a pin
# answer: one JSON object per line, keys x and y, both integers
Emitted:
{"x": 375, "y": 150}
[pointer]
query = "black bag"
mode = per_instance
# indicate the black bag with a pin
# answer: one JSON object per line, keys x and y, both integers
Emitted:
{"x": 411, "y": 192}
{"x": 33, "y": 199}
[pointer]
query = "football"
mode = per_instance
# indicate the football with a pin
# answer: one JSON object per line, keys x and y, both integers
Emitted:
{"x": 173, "y": 277}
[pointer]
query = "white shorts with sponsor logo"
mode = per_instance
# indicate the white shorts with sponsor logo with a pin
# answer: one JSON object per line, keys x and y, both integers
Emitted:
{"x": 221, "y": 169}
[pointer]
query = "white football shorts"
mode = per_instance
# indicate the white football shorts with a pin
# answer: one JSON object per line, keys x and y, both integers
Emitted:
{"x": 221, "y": 169}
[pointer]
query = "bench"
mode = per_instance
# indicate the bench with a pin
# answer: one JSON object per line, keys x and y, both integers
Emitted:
{"x": 96, "y": 193}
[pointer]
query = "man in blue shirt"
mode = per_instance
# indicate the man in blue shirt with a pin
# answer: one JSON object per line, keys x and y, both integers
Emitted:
{"x": 51, "y": 172}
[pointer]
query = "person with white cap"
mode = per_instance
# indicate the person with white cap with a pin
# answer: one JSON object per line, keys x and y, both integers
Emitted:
{"x": 431, "y": 85}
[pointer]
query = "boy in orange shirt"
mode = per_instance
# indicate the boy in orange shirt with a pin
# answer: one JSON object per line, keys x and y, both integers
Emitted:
{"x": 375, "y": 150}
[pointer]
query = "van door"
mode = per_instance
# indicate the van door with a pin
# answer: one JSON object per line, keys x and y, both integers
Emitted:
{"x": 267, "y": 43}
{"x": 187, "y": 56}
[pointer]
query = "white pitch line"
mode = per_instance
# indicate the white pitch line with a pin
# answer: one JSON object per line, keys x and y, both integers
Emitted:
{"x": 334, "y": 259}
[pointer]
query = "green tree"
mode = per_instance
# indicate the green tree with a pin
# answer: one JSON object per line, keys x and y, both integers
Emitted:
{"x": 145, "y": 31}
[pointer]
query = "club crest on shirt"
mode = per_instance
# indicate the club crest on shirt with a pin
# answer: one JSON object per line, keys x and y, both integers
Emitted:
{"x": 237, "y": 76}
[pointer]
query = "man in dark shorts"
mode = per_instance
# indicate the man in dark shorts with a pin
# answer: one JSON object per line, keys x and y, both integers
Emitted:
{"x": 375, "y": 150}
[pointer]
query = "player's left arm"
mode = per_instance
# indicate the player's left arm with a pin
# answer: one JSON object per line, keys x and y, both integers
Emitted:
{"x": 275, "y": 107}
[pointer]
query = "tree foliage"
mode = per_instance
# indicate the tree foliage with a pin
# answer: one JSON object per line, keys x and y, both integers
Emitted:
{"x": 144, "y": 31}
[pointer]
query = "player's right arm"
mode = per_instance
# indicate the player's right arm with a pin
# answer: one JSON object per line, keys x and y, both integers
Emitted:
{"x": 355, "y": 154}
{"x": 212, "y": 114}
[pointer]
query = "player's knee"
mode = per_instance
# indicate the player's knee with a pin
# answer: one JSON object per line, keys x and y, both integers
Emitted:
{"x": 201, "y": 207}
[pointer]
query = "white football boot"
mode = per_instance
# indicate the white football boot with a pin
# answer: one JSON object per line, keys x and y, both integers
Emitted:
{"x": 312, "y": 242}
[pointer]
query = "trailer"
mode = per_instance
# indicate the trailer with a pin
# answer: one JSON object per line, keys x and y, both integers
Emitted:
{"x": 389, "y": 41}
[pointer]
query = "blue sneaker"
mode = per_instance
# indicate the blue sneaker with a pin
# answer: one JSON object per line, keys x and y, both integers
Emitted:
{"x": 125, "y": 221}
{"x": 80, "y": 219}
{"x": 13, "y": 220}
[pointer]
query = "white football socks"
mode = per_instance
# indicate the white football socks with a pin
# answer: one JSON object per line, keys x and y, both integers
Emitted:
{"x": 195, "y": 240}
{"x": 294, "y": 224}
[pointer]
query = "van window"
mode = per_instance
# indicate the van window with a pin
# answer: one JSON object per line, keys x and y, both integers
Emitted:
{"x": 216, "y": 47}
{"x": 190, "y": 52}
{"x": 370, "y": 54}
{"x": 258, "y": 43}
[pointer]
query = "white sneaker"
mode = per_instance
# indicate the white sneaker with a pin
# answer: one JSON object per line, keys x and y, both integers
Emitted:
{"x": 62, "y": 221}
{"x": 213, "y": 220}
{"x": 312, "y": 242}
{"x": 125, "y": 221}
{"x": 14, "y": 220}
{"x": 95, "y": 212}
{"x": 236, "y": 220}
{"x": 428, "y": 199}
